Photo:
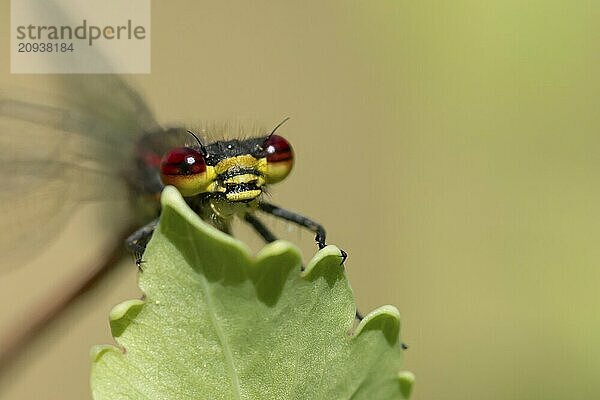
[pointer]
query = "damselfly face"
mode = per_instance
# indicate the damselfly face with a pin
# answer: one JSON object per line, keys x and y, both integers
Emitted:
{"x": 233, "y": 170}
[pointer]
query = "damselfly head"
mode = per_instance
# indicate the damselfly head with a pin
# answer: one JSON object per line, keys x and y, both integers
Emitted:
{"x": 237, "y": 170}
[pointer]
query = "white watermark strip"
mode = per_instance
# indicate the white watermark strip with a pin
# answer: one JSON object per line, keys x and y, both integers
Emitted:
{"x": 75, "y": 36}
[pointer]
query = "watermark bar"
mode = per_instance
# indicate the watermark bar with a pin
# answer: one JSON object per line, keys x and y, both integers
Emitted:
{"x": 74, "y": 36}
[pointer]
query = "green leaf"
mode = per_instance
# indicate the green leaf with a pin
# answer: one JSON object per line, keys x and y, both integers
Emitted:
{"x": 217, "y": 323}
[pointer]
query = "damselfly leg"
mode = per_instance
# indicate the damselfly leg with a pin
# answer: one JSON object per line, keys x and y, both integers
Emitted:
{"x": 137, "y": 241}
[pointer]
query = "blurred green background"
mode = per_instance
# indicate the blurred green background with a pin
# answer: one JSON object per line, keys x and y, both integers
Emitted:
{"x": 449, "y": 147}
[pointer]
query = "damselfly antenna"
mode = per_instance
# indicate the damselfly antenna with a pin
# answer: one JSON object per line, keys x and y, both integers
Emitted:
{"x": 202, "y": 148}
{"x": 286, "y": 119}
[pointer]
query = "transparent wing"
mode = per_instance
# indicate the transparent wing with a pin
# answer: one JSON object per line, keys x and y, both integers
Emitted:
{"x": 57, "y": 151}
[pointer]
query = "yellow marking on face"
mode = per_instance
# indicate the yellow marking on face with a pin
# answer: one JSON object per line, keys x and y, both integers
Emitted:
{"x": 245, "y": 195}
{"x": 244, "y": 178}
{"x": 261, "y": 166}
{"x": 242, "y": 162}
{"x": 245, "y": 161}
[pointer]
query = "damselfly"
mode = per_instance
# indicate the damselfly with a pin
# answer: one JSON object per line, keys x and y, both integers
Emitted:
{"x": 103, "y": 142}
{"x": 221, "y": 180}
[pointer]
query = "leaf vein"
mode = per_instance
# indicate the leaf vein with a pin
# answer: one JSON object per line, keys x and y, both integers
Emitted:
{"x": 235, "y": 381}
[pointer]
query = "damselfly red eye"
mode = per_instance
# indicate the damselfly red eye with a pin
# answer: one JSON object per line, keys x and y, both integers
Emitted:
{"x": 185, "y": 169}
{"x": 280, "y": 158}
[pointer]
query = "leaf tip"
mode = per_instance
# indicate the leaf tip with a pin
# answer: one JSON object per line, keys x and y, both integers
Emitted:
{"x": 385, "y": 319}
{"x": 169, "y": 196}
{"x": 122, "y": 314}
{"x": 406, "y": 379}
{"x": 173, "y": 203}
{"x": 96, "y": 352}
{"x": 278, "y": 248}
{"x": 327, "y": 262}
